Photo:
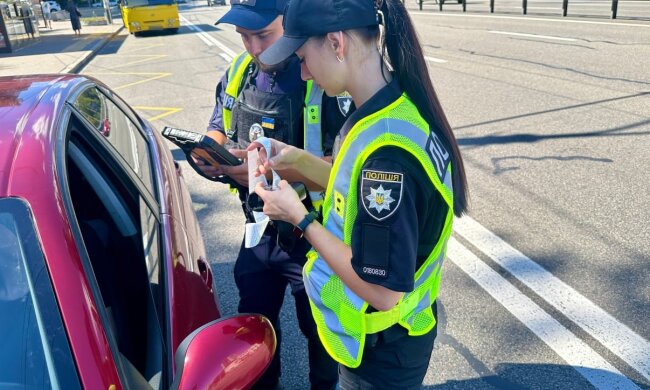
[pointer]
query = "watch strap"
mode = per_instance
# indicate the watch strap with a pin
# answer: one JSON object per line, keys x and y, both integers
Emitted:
{"x": 309, "y": 218}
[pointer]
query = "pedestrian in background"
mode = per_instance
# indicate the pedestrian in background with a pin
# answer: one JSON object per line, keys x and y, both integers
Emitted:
{"x": 395, "y": 185}
{"x": 47, "y": 13}
{"x": 27, "y": 15}
{"x": 75, "y": 16}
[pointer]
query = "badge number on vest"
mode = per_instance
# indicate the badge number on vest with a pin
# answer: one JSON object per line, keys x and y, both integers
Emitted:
{"x": 381, "y": 192}
{"x": 438, "y": 154}
{"x": 228, "y": 102}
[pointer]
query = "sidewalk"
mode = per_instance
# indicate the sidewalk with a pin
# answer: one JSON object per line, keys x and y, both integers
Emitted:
{"x": 58, "y": 50}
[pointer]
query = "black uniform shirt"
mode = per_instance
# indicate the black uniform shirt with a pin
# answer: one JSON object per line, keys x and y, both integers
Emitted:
{"x": 400, "y": 213}
{"x": 333, "y": 113}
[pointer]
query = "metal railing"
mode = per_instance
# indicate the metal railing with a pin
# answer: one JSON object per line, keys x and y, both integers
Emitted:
{"x": 524, "y": 6}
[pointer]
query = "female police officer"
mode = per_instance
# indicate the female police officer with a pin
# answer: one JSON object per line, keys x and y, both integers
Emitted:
{"x": 396, "y": 182}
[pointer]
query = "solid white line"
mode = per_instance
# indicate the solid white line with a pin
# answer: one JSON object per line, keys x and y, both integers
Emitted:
{"x": 611, "y": 333}
{"x": 531, "y": 35}
{"x": 220, "y": 45}
{"x": 226, "y": 57}
{"x": 434, "y": 59}
{"x": 574, "y": 351}
{"x": 194, "y": 28}
{"x": 440, "y": 14}
{"x": 208, "y": 39}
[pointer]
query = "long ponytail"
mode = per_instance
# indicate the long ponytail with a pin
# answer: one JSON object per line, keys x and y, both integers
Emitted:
{"x": 407, "y": 61}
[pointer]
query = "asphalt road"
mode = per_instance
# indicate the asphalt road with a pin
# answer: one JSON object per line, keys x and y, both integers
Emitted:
{"x": 547, "y": 283}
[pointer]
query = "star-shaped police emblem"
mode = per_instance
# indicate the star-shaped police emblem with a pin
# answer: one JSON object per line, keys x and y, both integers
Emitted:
{"x": 345, "y": 102}
{"x": 380, "y": 199}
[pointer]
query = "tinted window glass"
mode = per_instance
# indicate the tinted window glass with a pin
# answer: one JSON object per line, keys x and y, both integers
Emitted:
{"x": 119, "y": 130}
{"x": 151, "y": 244}
{"x": 91, "y": 105}
{"x": 35, "y": 353}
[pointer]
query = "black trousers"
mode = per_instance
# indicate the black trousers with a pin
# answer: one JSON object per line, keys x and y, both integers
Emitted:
{"x": 391, "y": 360}
{"x": 262, "y": 274}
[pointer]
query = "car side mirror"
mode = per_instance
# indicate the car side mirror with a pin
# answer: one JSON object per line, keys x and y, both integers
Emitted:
{"x": 229, "y": 353}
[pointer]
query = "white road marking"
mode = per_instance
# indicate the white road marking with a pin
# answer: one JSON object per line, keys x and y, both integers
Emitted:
{"x": 531, "y": 35}
{"x": 434, "y": 59}
{"x": 226, "y": 57}
{"x": 200, "y": 34}
{"x": 574, "y": 351}
{"x": 611, "y": 333}
{"x": 621, "y": 24}
{"x": 208, "y": 39}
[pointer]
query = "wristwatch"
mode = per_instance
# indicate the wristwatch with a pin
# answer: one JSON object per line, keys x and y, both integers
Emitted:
{"x": 300, "y": 228}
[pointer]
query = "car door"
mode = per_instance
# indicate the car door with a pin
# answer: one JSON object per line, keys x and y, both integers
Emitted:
{"x": 112, "y": 186}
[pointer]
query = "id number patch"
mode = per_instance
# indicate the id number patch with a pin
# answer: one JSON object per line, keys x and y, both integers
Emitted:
{"x": 381, "y": 192}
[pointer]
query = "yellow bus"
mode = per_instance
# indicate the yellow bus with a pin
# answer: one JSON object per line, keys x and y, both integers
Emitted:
{"x": 150, "y": 15}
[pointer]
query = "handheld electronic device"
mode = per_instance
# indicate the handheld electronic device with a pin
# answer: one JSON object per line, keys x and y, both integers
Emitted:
{"x": 201, "y": 146}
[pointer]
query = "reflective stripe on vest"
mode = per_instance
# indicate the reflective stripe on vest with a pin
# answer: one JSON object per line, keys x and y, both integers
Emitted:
{"x": 236, "y": 74}
{"x": 339, "y": 313}
{"x": 312, "y": 131}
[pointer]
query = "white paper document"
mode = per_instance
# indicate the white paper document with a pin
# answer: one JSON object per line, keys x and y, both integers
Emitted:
{"x": 254, "y": 230}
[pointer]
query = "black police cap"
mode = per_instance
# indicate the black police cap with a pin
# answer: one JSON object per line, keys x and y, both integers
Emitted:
{"x": 308, "y": 18}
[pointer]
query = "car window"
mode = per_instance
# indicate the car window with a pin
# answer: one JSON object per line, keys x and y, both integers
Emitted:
{"x": 35, "y": 352}
{"x": 122, "y": 240}
{"x": 151, "y": 245}
{"x": 125, "y": 136}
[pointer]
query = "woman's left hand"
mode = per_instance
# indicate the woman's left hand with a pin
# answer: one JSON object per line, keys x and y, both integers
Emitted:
{"x": 282, "y": 204}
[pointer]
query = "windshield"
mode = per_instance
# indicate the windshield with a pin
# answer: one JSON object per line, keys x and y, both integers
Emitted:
{"x": 141, "y": 3}
{"x": 35, "y": 352}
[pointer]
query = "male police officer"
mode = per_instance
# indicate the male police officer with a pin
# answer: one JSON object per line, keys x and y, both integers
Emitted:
{"x": 252, "y": 101}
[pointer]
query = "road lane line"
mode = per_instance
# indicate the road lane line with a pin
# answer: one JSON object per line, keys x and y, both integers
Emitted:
{"x": 139, "y": 48}
{"x": 205, "y": 36}
{"x": 532, "y": 35}
{"x": 154, "y": 76}
{"x": 568, "y": 346}
{"x": 434, "y": 59}
{"x": 226, "y": 57}
{"x": 529, "y": 19}
{"x": 199, "y": 34}
{"x": 220, "y": 45}
{"x": 166, "y": 111}
{"x": 611, "y": 333}
{"x": 148, "y": 57}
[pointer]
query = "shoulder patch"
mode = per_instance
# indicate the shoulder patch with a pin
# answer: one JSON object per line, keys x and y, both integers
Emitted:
{"x": 344, "y": 104}
{"x": 381, "y": 192}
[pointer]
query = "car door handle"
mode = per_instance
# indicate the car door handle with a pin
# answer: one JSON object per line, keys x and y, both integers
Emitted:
{"x": 179, "y": 170}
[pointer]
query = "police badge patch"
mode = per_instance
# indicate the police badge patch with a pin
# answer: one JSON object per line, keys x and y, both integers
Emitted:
{"x": 381, "y": 192}
{"x": 255, "y": 131}
{"x": 344, "y": 104}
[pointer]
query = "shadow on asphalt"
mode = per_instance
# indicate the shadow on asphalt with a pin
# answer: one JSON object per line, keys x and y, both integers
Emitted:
{"x": 57, "y": 44}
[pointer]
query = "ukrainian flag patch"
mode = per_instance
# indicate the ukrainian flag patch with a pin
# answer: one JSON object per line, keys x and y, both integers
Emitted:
{"x": 268, "y": 123}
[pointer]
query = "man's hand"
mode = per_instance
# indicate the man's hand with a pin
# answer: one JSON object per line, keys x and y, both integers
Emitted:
{"x": 208, "y": 169}
{"x": 238, "y": 173}
{"x": 211, "y": 170}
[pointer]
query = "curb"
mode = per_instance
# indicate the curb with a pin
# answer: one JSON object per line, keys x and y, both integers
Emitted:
{"x": 78, "y": 65}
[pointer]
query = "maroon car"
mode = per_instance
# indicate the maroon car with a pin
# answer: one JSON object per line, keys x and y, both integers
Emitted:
{"x": 104, "y": 281}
